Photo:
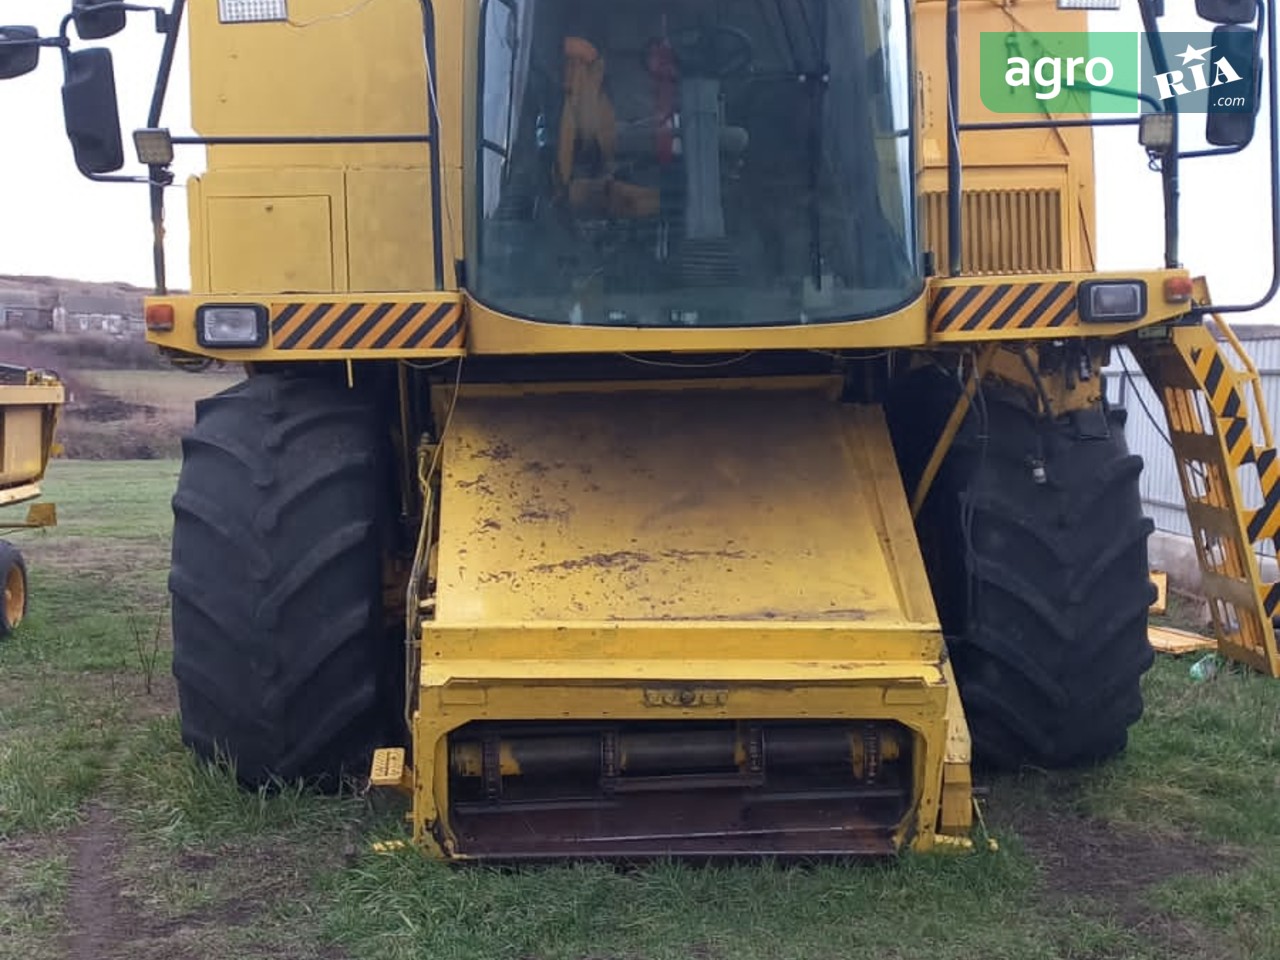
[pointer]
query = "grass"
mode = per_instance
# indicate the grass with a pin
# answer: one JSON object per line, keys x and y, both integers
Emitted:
{"x": 114, "y": 841}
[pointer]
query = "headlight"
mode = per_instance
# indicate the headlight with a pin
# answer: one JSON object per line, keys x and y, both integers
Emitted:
{"x": 243, "y": 325}
{"x": 1112, "y": 301}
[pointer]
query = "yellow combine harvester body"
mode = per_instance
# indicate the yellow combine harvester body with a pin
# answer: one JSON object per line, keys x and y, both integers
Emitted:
{"x": 613, "y": 452}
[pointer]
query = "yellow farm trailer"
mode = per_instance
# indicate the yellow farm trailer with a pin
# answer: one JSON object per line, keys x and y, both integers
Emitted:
{"x": 30, "y": 402}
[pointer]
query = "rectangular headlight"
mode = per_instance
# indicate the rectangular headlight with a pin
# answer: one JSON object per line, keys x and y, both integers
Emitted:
{"x": 154, "y": 146}
{"x": 241, "y": 325}
{"x": 252, "y": 11}
{"x": 1155, "y": 131}
{"x": 1112, "y": 301}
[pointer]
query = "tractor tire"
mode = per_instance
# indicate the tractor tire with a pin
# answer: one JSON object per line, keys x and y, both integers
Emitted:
{"x": 1041, "y": 578}
{"x": 13, "y": 588}
{"x": 283, "y": 663}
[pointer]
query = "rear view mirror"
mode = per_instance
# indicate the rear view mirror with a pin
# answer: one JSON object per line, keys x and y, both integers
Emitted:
{"x": 94, "y": 23}
{"x": 19, "y": 51}
{"x": 1226, "y": 11}
{"x": 1234, "y": 97}
{"x": 91, "y": 110}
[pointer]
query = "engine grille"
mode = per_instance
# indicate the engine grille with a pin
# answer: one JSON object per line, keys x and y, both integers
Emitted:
{"x": 1003, "y": 231}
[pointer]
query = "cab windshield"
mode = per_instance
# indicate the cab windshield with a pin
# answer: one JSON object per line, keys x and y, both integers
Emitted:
{"x": 694, "y": 162}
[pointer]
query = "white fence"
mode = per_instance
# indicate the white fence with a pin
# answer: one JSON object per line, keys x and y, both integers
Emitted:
{"x": 1146, "y": 429}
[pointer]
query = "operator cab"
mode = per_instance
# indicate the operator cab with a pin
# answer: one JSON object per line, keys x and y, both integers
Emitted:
{"x": 701, "y": 162}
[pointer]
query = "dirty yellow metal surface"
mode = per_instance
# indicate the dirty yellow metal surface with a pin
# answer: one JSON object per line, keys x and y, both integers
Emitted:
{"x": 711, "y": 504}
{"x": 636, "y": 553}
{"x": 28, "y": 415}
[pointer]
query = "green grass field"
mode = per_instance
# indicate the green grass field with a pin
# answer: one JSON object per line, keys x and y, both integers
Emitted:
{"x": 115, "y": 843}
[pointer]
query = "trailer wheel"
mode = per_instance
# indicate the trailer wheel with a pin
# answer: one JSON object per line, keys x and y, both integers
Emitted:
{"x": 282, "y": 661}
{"x": 1041, "y": 579}
{"x": 13, "y": 582}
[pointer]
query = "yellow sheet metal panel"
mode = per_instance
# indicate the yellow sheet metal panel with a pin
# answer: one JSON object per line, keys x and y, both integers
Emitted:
{"x": 21, "y": 454}
{"x": 270, "y": 243}
{"x": 338, "y": 68}
{"x": 497, "y": 333}
{"x": 763, "y": 683}
{"x": 674, "y": 639}
{"x": 1061, "y": 160}
{"x": 275, "y": 230}
{"x": 739, "y": 505}
{"x": 389, "y": 241}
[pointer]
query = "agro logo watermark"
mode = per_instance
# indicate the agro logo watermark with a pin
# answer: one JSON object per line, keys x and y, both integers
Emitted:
{"x": 1100, "y": 73}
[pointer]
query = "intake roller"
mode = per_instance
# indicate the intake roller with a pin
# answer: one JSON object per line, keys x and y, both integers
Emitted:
{"x": 858, "y": 750}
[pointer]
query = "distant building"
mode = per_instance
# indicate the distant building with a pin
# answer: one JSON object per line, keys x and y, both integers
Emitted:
{"x": 117, "y": 316}
{"x": 23, "y": 310}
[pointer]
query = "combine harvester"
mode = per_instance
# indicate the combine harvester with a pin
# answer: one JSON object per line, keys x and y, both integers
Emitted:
{"x": 30, "y": 401}
{"x": 668, "y": 428}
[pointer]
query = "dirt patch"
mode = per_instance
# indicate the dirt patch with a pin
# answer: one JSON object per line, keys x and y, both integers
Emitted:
{"x": 119, "y": 899}
{"x": 96, "y": 926}
{"x": 1092, "y": 866}
{"x": 99, "y": 407}
{"x": 78, "y": 554}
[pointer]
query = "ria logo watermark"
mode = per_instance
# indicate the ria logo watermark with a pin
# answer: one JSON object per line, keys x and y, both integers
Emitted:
{"x": 1195, "y": 65}
{"x": 1084, "y": 74}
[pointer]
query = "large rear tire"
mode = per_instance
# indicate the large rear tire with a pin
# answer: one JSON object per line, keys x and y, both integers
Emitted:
{"x": 283, "y": 663}
{"x": 1041, "y": 579}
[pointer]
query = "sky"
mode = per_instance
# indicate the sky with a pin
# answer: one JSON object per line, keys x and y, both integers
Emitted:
{"x": 55, "y": 222}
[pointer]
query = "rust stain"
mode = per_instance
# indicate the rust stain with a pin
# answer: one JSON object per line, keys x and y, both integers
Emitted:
{"x": 600, "y": 561}
{"x": 500, "y": 452}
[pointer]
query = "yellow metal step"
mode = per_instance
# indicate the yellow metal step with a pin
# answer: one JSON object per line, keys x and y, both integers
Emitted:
{"x": 387, "y": 769}
{"x": 1221, "y": 448}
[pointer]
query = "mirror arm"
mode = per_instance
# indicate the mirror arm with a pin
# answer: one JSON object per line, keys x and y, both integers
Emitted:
{"x": 172, "y": 25}
{"x": 1213, "y": 152}
{"x": 68, "y": 19}
{"x": 39, "y": 42}
{"x": 1150, "y": 9}
{"x": 1273, "y": 101}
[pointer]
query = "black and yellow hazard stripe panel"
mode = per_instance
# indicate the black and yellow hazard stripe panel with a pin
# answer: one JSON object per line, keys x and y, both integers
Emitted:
{"x": 1036, "y": 307}
{"x": 366, "y": 326}
{"x": 981, "y": 308}
{"x": 311, "y": 327}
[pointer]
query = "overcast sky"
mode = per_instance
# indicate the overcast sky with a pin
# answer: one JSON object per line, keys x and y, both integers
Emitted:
{"x": 56, "y": 222}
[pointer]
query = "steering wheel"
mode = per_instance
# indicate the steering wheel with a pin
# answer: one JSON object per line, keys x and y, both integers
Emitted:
{"x": 716, "y": 52}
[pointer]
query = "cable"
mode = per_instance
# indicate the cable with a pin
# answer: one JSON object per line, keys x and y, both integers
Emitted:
{"x": 857, "y": 357}
{"x": 688, "y": 366}
{"x": 1035, "y": 378}
{"x": 428, "y": 366}
{"x": 421, "y": 554}
{"x": 968, "y": 509}
{"x": 342, "y": 15}
{"x": 1197, "y": 471}
{"x": 1143, "y": 403}
{"x": 435, "y": 109}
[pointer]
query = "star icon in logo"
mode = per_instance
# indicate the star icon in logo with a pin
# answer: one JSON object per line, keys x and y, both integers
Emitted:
{"x": 1191, "y": 53}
